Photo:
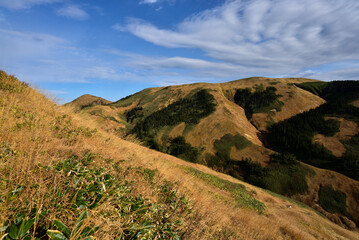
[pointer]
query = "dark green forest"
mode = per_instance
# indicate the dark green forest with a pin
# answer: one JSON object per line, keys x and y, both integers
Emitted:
{"x": 295, "y": 135}
{"x": 261, "y": 100}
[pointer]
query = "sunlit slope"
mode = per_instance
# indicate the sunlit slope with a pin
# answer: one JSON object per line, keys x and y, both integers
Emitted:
{"x": 227, "y": 118}
{"x": 55, "y": 167}
{"x": 224, "y": 126}
{"x": 87, "y": 100}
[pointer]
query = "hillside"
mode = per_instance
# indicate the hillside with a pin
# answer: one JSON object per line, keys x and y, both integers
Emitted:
{"x": 228, "y": 117}
{"x": 230, "y": 128}
{"x": 87, "y": 100}
{"x": 60, "y": 177}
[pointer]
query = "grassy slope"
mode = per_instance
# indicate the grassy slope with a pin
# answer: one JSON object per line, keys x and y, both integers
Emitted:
{"x": 229, "y": 118}
{"x": 37, "y": 132}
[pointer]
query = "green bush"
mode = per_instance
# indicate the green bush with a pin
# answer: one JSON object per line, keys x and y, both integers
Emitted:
{"x": 332, "y": 201}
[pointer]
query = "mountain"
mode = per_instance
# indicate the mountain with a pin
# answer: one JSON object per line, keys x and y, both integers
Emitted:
{"x": 63, "y": 178}
{"x": 87, "y": 100}
{"x": 295, "y": 137}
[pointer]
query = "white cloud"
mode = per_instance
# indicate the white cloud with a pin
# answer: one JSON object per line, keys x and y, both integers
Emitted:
{"x": 73, "y": 11}
{"x": 148, "y": 1}
{"x": 23, "y": 4}
{"x": 265, "y": 36}
{"x": 119, "y": 27}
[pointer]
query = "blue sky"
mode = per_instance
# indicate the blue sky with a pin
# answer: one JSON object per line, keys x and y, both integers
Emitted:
{"x": 113, "y": 48}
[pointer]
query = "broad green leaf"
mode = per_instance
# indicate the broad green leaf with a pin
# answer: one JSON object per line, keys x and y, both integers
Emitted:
{"x": 13, "y": 231}
{"x": 63, "y": 228}
{"x": 79, "y": 222}
{"x": 56, "y": 235}
{"x": 25, "y": 227}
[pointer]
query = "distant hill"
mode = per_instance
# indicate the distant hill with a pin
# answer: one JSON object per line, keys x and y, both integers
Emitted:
{"x": 261, "y": 130}
{"x": 87, "y": 100}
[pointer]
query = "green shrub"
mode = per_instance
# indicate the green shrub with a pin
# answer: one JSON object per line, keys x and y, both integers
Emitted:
{"x": 332, "y": 201}
{"x": 84, "y": 187}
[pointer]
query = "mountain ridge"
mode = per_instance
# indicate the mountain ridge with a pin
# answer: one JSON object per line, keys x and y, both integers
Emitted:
{"x": 45, "y": 146}
{"x": 232, "y": 133}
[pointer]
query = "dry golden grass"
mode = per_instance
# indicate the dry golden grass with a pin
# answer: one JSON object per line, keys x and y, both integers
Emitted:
{"x": 33, "y": 127}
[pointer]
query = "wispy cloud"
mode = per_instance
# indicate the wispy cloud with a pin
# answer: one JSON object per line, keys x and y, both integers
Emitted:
{"x": 156, "y": 2}
{"x": 73, "y": 11}
{"x": 265, "y": 36}
{"x": 148, "y": 1}
{"x": 341, "y": 74}
{"x": 23, "y": 4}
{"x": 38, "y": 57}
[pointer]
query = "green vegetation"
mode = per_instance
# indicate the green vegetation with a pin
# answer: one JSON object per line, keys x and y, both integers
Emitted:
{"x": 274, "y": 83}
{"x": 243, "y": 198}
{"x": 222, "y": 161}
{"x": 63, "y": 128}
{"x": 259, "y": 101}
{"x": 334, "y": 91}
{"x": 134, "y": 113}
{"x": 64, "y": 232}
{"x": 332, "y": 201}
{"x": 224, "y": 145}
{"x": 295, "y": 135}
{"x": 189, "y": 110}
{"x": 127, "y": 101}
{"x": 179, "y": 148}
{"x": 82, "y": 189}
{"x": 12, "y": 85}
{"x": 351, "y": 157}
{"x": 284, "y": 175}
{"x": 313, "y": 87}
